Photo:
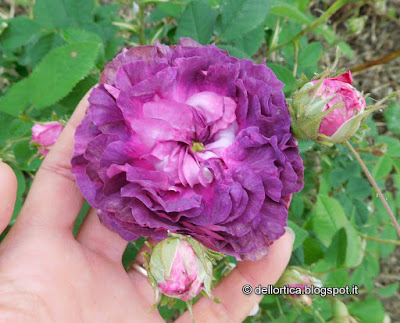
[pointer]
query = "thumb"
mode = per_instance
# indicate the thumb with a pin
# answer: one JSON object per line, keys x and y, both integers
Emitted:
{"x": 8, "y": 193}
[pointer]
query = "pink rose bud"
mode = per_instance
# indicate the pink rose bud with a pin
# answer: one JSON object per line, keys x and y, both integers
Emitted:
{"x": 180, "y": 267}
{"x": 297, "y": 277}
{"x": 45, "y": 135}
{"x": 328, "y": 111}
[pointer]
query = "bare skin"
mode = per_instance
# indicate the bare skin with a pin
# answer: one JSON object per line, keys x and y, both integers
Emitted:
{"x": 47, "y": 275}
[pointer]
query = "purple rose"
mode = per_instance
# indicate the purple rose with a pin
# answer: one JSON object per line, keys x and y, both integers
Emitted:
{"x": 188, "y": 139}
{"x": 45, "y": 135}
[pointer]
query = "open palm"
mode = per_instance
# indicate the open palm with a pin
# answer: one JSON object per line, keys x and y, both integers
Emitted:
{"x": 47, "y": 275}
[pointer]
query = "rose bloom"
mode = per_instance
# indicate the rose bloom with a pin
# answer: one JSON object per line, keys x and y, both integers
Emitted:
{"x": 188, "y": 139}
{"x": 46, "y": 135}
{"x": 341, "y": 89}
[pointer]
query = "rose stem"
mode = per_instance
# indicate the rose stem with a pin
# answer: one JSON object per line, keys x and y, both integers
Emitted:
{"x": 394, "y": 242}
{"x": 375, "y": 186}
{"x": 327, "y": 14}
{"x": 380, "y": 60}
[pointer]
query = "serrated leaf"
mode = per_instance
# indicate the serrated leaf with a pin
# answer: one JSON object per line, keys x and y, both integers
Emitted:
{"x": 346, "y": 49}
{"x": 383, "y": 167}
{"x": 358, "y": 188}
{"x": 51, "y": 13}
{"x": 38, "y": 49}
{"x": 61, "y": 13}
{"x": 17, "y": 98}
{"x": 81, "y": 11}
{"x": 284, "y": 75}
{"x": 305, "y": 145}
{"x": 369, "y": 310}
{"x": 392, "y": 116}
{"x": 19, "y": 31}
{"x": 75, "y": 35}
{"x": 389, "y": 290}
{"x": 289, "y": 11}
{"x": 241, "y": 16}
{"x": 327, "y": 219}
{"x": 234, "y": 51}
{"x": 301, "y": 234}
{"x": 393, "y": 148}
{"x": 251, "y": 41}
{"x": 52, "y": 79}
{"x": 20, "y": 191}
{"x": 5, "y": 125}
{"x": 197, "y": 22}
{"x": 310, "y": 54}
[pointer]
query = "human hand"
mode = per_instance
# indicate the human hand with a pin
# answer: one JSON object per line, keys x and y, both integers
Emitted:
{"x": 47, "y": 275}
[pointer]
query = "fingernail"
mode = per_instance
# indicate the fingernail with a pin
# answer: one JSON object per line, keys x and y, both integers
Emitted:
{"x": 255, "y": 310}
{"x": 291, "y": 233}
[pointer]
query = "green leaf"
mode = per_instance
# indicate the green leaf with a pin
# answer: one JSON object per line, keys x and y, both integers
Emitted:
{"x": 312, "y": 251}
{"x": 20, "y": 192}
{"x": 346, "y": 49}
{"x": 369, "y": 310}
{"x": 234, "y": 51}
{"x": 5, "y": 124}
{"x": 80, "y": 11}
{"x": 240, "y": 16}
{"x": 75, "y": 35}
{"x": 305, "y": 145}
{"x": 80, "y": 218}
{"x": 296, "y": 208}
{"x": 289, "y": 11}
{"x": 61, "y": 13}
{"x": 337, "y": 278}
{"x": 393, "y": 149}
{"x": 358, "y": 188}
{"x": 383, "y": 167}
{"x": 52, "y": 79}
{"x": 328, "y": 217}
{"x": 35, "y": 51}
{"x": 17, "y": 98}
{"x": 51, "y": 13}
{"x": 336, "y": 252}
{"x": 389, "y": 290}
{"x": 132, "y": 251}
{"x": 310, "y": 54}
{"x": 20, "y": 30}
{"x": 284, "y": 75}
{"x": 197, "y": 22}
{"x": 392, "y": 116}
{"x": 301, "y": 234}
{"x": 251, "y": 41}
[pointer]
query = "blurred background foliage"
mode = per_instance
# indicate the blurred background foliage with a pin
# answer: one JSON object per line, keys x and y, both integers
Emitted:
{"x": 52, "y": 53}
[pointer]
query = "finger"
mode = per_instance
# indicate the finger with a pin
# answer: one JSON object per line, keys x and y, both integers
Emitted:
{"x": 8, "y": 193}
{"x": 98, "y": 238}
{"x": 235, "y": 306}
{"x": 54, "y": 199}
{"x": 138, "y": 279}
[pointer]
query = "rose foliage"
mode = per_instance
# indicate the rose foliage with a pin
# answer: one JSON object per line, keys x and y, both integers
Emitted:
{"x": 188, "y": 139}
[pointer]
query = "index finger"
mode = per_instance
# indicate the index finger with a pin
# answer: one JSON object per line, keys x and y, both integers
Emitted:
{"x": 54, "y": 198}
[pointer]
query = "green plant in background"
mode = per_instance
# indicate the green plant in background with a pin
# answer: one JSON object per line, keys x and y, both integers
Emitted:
{"x": 51, "y": 54}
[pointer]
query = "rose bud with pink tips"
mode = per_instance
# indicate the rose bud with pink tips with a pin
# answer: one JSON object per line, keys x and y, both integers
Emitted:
{"x": 298, "y": 278}
{"x": 45, "y": 135}
{"x": 328, "y": 110}
{"x": 180, "y": 267}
